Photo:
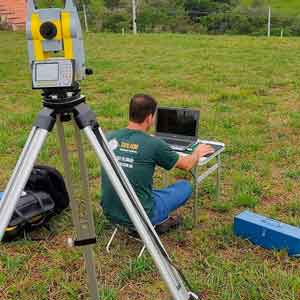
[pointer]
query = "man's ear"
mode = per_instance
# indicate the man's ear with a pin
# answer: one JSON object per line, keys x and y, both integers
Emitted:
{"x": 148, "y": 119}
{"x": 151, "y": 119}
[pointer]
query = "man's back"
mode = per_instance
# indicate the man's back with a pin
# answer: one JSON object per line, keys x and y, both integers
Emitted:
{"x": 138, "y": 153}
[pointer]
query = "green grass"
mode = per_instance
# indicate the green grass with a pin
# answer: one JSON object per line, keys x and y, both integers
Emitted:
{"x": 248, "y": 92}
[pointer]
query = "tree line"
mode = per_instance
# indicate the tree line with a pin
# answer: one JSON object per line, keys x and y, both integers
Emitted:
{"x": 186, "y": 16}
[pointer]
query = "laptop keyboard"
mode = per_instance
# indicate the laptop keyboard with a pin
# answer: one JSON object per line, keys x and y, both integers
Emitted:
{"x": 177, "y": 142}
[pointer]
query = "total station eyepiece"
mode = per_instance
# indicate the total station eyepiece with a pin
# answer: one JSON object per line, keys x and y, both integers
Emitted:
{"x": 48, "y": 30}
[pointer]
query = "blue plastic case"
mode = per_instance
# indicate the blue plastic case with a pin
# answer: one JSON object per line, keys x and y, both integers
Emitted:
{"x": 268, "y": 233}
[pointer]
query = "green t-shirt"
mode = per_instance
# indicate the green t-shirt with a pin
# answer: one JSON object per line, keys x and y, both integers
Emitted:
{"x": 138, "y": 153}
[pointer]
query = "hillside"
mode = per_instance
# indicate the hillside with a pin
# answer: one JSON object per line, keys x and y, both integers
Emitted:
{"x": 288, "y": 7}
{"x": 291, "y": 7}
{"x": 185, "y": 16}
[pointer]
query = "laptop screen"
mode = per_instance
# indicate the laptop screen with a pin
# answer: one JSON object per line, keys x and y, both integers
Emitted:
{"x": 177, "y": 121}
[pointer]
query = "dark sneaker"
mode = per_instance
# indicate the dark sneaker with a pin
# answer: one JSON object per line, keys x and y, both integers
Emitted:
{"x": 134, "y": 234}
{"x": 171, "y": 223}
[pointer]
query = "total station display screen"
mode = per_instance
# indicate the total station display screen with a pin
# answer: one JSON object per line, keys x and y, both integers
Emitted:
{"x": 47, "y": 72}
{"x": 177, "y": 121}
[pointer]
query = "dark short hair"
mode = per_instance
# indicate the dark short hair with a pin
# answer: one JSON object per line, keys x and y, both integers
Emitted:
{"x": 141, "y": 106}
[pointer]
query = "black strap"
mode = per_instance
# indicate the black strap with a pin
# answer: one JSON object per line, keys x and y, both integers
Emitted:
{"x": 85, "y": 242}
{"x": 37, "y": 198}
{"x": 27, "y": 233}
{"x": 23, "y": 218}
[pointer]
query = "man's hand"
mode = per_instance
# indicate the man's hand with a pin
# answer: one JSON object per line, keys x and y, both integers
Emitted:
{"x": 188, "y": 162}
{"x": 203, "y": 150}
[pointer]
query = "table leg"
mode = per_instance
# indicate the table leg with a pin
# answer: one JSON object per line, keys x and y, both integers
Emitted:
{"x": 196, "y": 197}
{"x": 219, "y": 177}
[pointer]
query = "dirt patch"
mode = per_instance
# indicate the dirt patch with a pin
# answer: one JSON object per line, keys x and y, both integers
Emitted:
{"x": 280, "y": 90}
{"x": 204, "y": 295}
{"x": 269, "y": 200}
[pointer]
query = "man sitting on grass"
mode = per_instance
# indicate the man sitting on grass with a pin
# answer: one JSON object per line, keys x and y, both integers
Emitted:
{"x": 139, "y": 153}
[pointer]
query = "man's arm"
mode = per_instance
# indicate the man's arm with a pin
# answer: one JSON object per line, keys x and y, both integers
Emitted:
{"x": 189, "y": 161}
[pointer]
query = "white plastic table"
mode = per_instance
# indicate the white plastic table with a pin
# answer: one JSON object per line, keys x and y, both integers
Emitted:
{"x": 201, "y": 176}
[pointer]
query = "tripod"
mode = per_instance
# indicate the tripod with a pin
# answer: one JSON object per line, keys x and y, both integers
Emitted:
{"x": 68, "y": 105}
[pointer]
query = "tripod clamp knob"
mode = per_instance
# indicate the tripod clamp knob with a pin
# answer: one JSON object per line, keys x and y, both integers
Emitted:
{"x": 89, "y": 71}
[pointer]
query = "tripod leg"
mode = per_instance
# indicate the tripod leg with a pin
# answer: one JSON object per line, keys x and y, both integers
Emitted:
{"x": 23, "y": 153}
{"x": 85, "y": 183}
{"x": 20, "y": 176}
{"x": 196, "y": 197}
{"x": 87, "y": 227}
{"x": 65, "y": 159}
{"x": 82, "y": 216}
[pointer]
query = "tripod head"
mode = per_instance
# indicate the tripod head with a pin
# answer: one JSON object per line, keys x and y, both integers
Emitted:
{"x": 62, "y": 99}
{"x": 56, "y": 51}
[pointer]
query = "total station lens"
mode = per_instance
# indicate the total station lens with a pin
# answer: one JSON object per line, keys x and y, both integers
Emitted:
{"x": 48, "y": 30}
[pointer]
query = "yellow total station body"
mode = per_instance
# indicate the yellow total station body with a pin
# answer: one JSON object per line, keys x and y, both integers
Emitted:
{"x": 55, "y": 33}
{"x": 63, "y": 34}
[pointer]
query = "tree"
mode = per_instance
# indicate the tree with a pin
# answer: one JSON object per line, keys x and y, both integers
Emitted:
{"x": 199, "y": 8}
{"x": 95, "y": 13}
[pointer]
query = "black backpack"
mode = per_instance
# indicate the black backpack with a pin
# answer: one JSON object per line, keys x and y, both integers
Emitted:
{"x": 44, "y": 196}
{"x": 49, "y": 180}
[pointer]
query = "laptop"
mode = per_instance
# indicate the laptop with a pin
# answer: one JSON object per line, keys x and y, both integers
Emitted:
{"x": 178, "y": 127}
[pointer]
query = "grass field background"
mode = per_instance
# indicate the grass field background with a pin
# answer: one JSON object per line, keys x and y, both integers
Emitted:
{"x": 248, "y": 92}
